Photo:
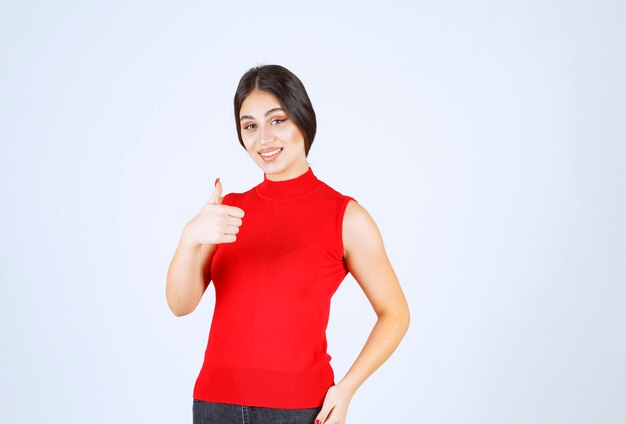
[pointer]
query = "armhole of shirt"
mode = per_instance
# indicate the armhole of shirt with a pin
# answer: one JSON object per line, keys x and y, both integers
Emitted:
{"x": 342, "y": 211}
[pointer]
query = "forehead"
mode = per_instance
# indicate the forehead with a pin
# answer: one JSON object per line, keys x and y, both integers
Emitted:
{"x": 258, "y": 102}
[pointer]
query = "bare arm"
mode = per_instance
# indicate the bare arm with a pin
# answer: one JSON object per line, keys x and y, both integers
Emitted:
{"x": 189, "y": 273}
{"x": 368, "y": 263}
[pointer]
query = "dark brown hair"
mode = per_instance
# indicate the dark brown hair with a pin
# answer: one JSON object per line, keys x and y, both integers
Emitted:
{"x": 290, "y": 92}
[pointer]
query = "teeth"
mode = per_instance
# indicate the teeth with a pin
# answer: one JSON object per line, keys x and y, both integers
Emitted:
{"x": 270, "y": 153}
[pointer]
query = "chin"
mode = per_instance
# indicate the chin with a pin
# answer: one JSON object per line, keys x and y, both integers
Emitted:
{"x": 270, "y": 168}
{"x": 273, "y": 169}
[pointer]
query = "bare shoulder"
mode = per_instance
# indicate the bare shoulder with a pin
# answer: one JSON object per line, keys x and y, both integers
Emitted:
{"x": 355, "y": 215}
{"x": 359, "y": 230}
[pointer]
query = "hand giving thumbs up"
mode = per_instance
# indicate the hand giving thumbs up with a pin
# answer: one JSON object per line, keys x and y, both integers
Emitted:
{"x": 215, "y": 223}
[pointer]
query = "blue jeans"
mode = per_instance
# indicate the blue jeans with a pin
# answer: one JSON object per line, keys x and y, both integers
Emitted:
{"x": 225, "y": 413}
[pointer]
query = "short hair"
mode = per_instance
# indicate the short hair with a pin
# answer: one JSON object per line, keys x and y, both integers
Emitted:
{"x": 289, "y": 91}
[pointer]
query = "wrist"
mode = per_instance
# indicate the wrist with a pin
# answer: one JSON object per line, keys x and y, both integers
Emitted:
{"x": 347, "y": 386}
{"x": 186, "y": 239}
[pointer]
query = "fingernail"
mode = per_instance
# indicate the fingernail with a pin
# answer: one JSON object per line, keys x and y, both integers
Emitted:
{"x": 216, "y": 180}
{"x": 318, "y": 422}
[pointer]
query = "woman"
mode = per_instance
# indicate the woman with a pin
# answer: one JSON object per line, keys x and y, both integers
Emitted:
{"x": 276, "y": 254}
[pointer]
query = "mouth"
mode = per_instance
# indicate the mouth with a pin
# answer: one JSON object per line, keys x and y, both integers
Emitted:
{"x": 270, "y": 154}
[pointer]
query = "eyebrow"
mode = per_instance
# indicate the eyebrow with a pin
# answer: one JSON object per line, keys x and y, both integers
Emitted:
{"x": 266, "y": 113}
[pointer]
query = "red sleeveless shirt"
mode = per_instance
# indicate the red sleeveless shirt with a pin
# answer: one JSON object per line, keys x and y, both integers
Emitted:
{"x": 273, "y": 287}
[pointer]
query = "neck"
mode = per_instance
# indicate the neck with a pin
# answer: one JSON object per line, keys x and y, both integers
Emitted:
{"x": 289, "y": 188}
{"x": 290, "y": 174}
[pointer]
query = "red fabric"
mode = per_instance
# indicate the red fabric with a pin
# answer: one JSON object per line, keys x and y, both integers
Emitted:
{"x": 273, "y": 287}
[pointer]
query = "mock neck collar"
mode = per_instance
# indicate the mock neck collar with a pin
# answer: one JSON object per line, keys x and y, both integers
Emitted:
{"x": 285, "y": 189}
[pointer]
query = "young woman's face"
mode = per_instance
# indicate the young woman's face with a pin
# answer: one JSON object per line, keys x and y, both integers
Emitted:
{"x": 266, "y": 128}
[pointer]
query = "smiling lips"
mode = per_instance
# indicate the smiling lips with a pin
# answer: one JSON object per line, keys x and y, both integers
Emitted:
{"x": 270, "y": 154}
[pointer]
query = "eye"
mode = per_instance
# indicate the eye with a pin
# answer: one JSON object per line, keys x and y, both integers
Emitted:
{"x": 279, "y": 120}
{"x": 246, "y": 127}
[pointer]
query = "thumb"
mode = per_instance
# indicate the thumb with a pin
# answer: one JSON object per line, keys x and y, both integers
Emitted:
{"x": 216, "y": 196}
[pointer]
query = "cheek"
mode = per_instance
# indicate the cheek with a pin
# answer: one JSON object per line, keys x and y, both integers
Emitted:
{"x": 292, "y": 133}
{"x": 248, "y": 141}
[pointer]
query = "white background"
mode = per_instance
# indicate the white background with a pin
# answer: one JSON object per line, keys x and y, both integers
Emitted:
{"x": 487, "y": 140}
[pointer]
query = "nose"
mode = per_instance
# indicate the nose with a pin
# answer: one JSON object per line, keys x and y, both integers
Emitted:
{"x": 266, "y": 134}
